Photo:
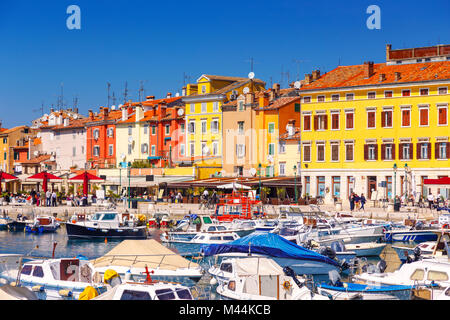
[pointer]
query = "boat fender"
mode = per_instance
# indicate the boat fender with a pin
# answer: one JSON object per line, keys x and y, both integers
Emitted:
{"x": 213, "y": 281}
{"x": 37, "y": 288}
{"x": 381, "y": 265}
{"x": 13, "y": 284}
{"x": 417, "y": 253}
{"x": 65, "y": 293}
{"x": 286, "y": 285}
{"x": 446, "y": 226}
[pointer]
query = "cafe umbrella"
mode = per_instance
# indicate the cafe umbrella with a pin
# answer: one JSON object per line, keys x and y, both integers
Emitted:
{"x": 6, "y": 177}
{"x": 85, "y": 178}
{"x": 44, "y": 177}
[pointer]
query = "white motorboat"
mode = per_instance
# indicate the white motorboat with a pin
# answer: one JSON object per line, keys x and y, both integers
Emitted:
{"x": 43, "y": 224}
{"x": 260, "y": 279}
{"x": 135, "y": 255}
{"x": 367, "y": 249}
{"x": 54, "y": 279}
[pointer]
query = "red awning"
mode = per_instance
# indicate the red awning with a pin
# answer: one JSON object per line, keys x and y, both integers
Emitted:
{"x": 6, "y": 177}
{"x": 85, "y": 176}
{"x": 45, "y": 177}
{"x": 433, "y": 182}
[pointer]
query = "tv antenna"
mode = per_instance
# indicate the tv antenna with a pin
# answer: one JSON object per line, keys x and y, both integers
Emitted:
{"x": 297, "y": 61}
{"x": 109, "y": 87}
{"x": 113, "y": 99}
{"x": 186, "y": 77}
{"x": 41, "y": 109}
{"x": 125, "y": 94}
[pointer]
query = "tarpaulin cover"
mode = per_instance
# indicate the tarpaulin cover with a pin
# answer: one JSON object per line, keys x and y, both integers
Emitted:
{"x": 269, "y": 244}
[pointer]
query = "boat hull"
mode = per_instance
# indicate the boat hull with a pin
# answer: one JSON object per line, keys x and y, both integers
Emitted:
{"x": 75, "y": 231}
{"x": 410, "y": 236}
{"x": 16, "y": 226}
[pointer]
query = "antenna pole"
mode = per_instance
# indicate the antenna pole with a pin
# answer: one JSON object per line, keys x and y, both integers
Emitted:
{"x": 109, "y": 86}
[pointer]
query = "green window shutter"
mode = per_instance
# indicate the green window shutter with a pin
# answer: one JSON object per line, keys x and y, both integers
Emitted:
{"x": 297, "y": 107}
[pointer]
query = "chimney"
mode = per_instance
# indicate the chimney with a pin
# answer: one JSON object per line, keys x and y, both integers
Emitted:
{"x": 315, "y": 75}
{"x": 276, "y": 88}
{"x": 398, "y": 76}
{"x": 52, "y": 110}
{"x": 105, "y": 112}
{"x": 388, "y": 51}
{"x": 264, "y": 100}
{"x": 169, "y": 95}
{"x": 272, "y": 94}
{"x": 150, "y": 98}
{"x": 308, "y": 78}
{"x": 162, "y": 110}
{"x": 75, "y": 110}
{"x": 139, "y": 113}
{"x": 91, "y": 115}
{"x": 124, "y": 113}
{"x": 183, "y": 91}
{"x": 382, "y": 77}
{"x": 368, "y": 69}
{"x": 249, "y": 98}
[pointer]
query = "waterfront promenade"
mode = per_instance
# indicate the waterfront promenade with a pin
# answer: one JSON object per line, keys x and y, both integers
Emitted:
{"x": 179, "y": 210}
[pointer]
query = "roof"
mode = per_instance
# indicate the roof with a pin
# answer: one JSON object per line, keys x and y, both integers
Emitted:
{"x": 351, "y": 76}
{"x": 222, "y": 78}
{"x": 279, "y": 103}
{"x": 295, "y": 136}
{"x": 7, "y": 131}
{"x": 38, "y": 159}
{"x": 73, "y": 123}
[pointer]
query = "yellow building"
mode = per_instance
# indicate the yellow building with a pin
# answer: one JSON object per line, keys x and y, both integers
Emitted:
{"x": 360, "y": 122}
{"x": 204, "y": 116}
{"x": 9, "y": 139}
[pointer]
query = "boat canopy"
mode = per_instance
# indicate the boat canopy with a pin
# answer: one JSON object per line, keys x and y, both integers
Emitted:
{"x": 257, "y": 266}
{"x": 141, "y": 253}
{"x": 268, "y": 244}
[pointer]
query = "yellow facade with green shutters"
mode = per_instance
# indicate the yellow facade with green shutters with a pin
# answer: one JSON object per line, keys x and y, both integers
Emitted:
{"x": 204, "y": 115}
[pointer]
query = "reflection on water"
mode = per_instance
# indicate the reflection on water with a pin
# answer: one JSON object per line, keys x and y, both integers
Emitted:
{"x": 41, "y": 245}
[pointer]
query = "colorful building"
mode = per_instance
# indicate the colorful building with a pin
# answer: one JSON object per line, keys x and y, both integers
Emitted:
{"x": 377, "y": 128}
{"x": 10, "y": 139}
{"x": 204, "y": 116}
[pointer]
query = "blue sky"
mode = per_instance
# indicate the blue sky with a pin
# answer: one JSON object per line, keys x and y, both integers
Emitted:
{"x": 157, "y": 41}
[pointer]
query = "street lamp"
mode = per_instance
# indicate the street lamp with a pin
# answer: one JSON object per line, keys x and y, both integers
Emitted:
{"x": 129, "y": 184}
{"x": 259, "y": 166}
{"x": 295, "y": 183}
{"x": 406, "y": 180}
{"x": 395, "y": 181}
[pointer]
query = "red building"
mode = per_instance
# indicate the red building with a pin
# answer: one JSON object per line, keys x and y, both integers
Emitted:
{"x": 101, "y": 138}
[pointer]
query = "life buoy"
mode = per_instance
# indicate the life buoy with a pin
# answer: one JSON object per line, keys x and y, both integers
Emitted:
{"x": 446, "y": 226}
{"x": 286, "y": 285}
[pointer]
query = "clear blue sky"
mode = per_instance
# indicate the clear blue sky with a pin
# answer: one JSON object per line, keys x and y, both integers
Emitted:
{"x": 158, "y": 41}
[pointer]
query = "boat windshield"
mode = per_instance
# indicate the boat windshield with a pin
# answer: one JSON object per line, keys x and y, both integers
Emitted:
{"x": 221, "y": 228}
{"x": 165, "y": 294}
{"x": 135, "y": 295}
{"x": 109, "y": 216}
{"x": 183, "y": 294}
{"x": 207, "y": 220}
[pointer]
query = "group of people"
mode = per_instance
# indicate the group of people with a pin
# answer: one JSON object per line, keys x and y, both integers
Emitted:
{"x": 178, "y": 198}
{"x": 356, "y": 201}
{"x": 44, "y": 199}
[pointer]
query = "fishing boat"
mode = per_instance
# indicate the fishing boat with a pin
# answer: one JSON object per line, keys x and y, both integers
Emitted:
{"x": 42, "y": 224}
{"x": 411, "y": 231}
{"x": 132, "y": 290}
{"x": 18, "y": 224}
{"x": 355, "y": 291}
{"x": 240, "y": 204}
{"x": 284, "y": 252}
{"x": 106, "y": 224}
{"x": 54, "y": 279}
{"x": 135, "y": 255}
{"x": 260, "y": 279}
{"x": 202, "y": 238}
{"x": 4, "y": 222}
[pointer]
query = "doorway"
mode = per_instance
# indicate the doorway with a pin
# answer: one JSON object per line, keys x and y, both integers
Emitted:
{"x": 371, "y": 186}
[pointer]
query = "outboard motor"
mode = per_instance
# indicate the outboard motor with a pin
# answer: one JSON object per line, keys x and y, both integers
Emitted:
{"x": 335, "y": 278}
{"x": 417, "y": 252}
{"x": 328, "y": 252}
{"x": 291, "y": 273}
{"x": 338, "y": 246}
{"x": 381, "y": 266}
{"x": 419, "y": 225}
{"x": 369, "y": 268}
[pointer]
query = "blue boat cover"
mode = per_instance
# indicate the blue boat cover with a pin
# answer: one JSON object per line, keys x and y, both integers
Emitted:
{"x": 357, "y": 287}
{"x": 269, "y": 244}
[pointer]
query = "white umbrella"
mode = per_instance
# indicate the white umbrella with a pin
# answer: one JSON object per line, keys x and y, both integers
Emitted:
{"x": 233, "y": 186}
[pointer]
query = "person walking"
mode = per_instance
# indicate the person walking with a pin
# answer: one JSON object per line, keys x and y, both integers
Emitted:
{"x": 352, "y": 201}
{"x": 54, "y": 199}
{"x": 362, "y": 199}
{"x": 430, "y": 199}
{"x": 48, "y": 196}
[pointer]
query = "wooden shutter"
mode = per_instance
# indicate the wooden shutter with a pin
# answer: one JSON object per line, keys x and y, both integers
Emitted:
{"x": 419, "y": 145}
{"x": 393, "y": 151}
{"x": 400, "y": 151}
{"x": 436, "y": 150}
{"x": 383, "y": 151}
{"x": 383, "y": 119}
{"x": 366, "y": 152}
{"x": 326, "y": 121}
{"x": 411, "y": 149}
{"x": 448, "y": 150}
{"x": 423, "y": 117}
{"x": 429, "y": 150}
{"x": 307, "y": 122}
{"x": 389, "y": 119}
{"x": 376, "y": 151}
{"x": 442, "y": 116}
{"x": 316, "y": 122}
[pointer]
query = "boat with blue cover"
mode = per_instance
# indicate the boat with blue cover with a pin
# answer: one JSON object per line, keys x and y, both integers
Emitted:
{"x": 42, "y": 224}
{"x": 284, "y": 252}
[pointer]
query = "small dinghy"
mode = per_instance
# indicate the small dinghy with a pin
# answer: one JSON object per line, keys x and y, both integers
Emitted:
{"x": 8, "y": 292}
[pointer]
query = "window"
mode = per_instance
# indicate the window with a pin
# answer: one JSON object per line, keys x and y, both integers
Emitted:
{"x": 371, "y": 95}
{"x": 321, "y": 122}
{"x": 320, "y": 152}
{"x": 38, "y": 272}
{"x": 215, "y": 146}
{"x": 307, "y": 123}
{"x": 226, "y": 267}
{"x": 320, "y": 98}
{"x": 282, "y": 146}
{"x": 165, "y": 294}
{"x": 204, "y": 153}
{"x": 182, "y": 128}
{"x": 306, "y": 99}
{"x": 406, "y": 118}
{"x": 241, "y": 105}
{"x": 192, "y": 148}
{"x": 111, "y": 150}
{"x": 306, "y": 153}
{"x": 442, "y": 116}
{"x": 215, "y": 126}
{"x": 441, "y": 150}
{"x": 167, "y": 129}
{"x": 423, "y": 113}
{"x": 423, "y": 92}
{"x": 434, "y": 275}
{"x": 406, "y": 93}
{"x": 215, "y": 106}
{"x": 146, "y": 129}
{"x": 335, "y": 97}
{"x": 153, "y": 150}
{"x": 335, "y": 121}
{"x": 442, "y": 90}
{"x": 388, "y": 94}
{"x": 241, "y": 127}
{"x": 386, "y": 119}
{"x": 26, "y": 270}
{"x": 96, "y": 151}
{"x": 203, "y": 122}
{"x": 371, "y": 151}
{"x": 405, "y": 151}
{"x": 335, "y": 152}
{"x": 144, "y": 148}
{"x": 191, "y": 127}
{"x": 130, "y": 130}
{"x": 182, "y": 149}
{"x": 153, "y": 130}
{"x": 271, "y": 149}
{"x": 96, "y": 134}
{"x": 130, "y": 148}
{"x": 349, "y": 120}
{"x": 203, "y": 89}
{"x": 192, "y": 108}
{"x": 417, "y": 275}
{"x": 240, "y": 150}
{"x": 271, "y": 127}
{"x": 348, "y": 152}
{"x": 110, "y": 132}
{"x": 297, "y": 107}
{"x": 423, "y": 151}
{"x": 349, "y": 96}
{"x": 203, "y": 107}
{"x": 74, "y": 151}
{"x": 371, "y": 119}
{"x": 135, "y": 295}
{"x": 282, "y": 168}
{"x": 387, "y": 151}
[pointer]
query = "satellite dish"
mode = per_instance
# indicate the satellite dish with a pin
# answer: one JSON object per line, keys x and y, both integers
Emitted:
{"x": 122, "y": 156}
{"x": 130, "y": 139}
{"x": 253, "y": 171}
{"x": 251, "y": 75}
{"x": 38, "y": 135}
{"x": 246, "y": 90}
{"x": 180, "y": 112}
{"x": 270, "y": 158}
{"x": 52, "y": 158}
{"x": 297, "y": 85}
{"x": 113, "y": 107}
{"x": 177, "y": 94}
{"x": 36, "y": 153}
{"x": 205, "y": 150}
